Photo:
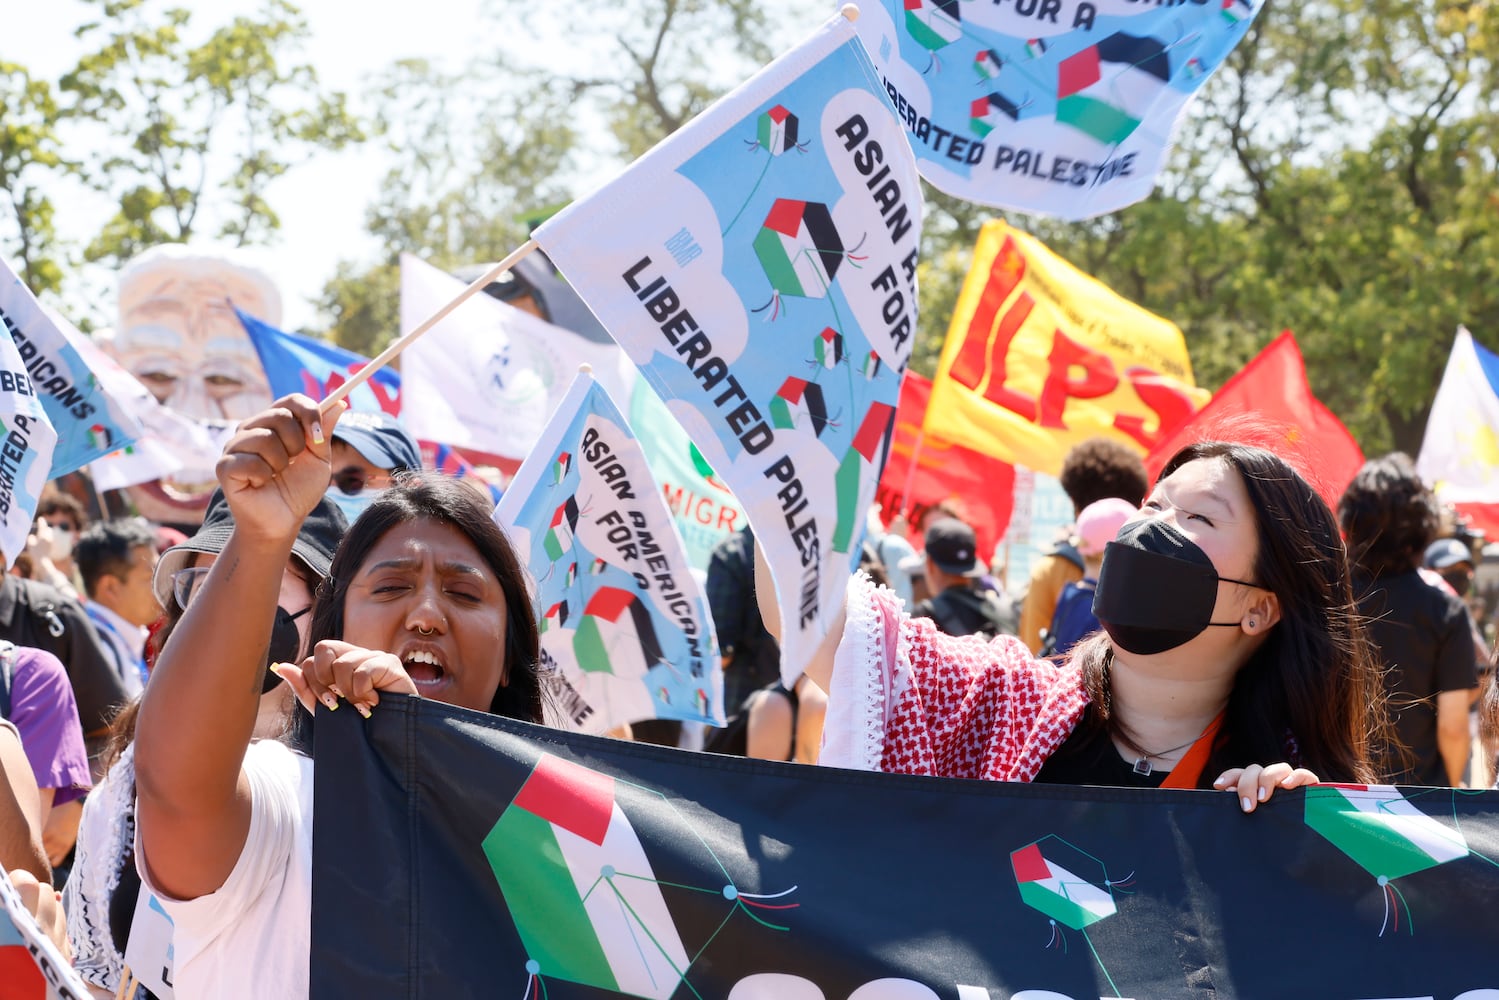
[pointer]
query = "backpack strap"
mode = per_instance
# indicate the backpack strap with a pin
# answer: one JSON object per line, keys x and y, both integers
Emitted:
{"x": 7, "y": 675}
{"x": 1068, "y": 551}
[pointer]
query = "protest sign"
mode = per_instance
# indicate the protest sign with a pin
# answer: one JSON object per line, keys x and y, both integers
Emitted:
{"x": 700, "y": 501}
{"x": 625, "y": 630}
{"x": 487, "y": 376}
{"x": 759, "y": 267}
{"x": 567, "y": 866}
{"x": 26, "y": 443}
{"x": 1057, "y": 107}
{"x": 89, "y": 422}
{"x": 1040, "y": 356}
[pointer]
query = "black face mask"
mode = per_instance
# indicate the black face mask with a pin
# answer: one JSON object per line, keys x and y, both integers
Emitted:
{"x": 1156, "y": 589}
{"x": 285, "y": 643}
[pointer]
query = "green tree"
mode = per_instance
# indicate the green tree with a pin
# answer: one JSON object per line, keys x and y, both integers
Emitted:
{"x": 31, "y": 156}
{"x": 482, "y": 154}
{"x": 197, "y": 131}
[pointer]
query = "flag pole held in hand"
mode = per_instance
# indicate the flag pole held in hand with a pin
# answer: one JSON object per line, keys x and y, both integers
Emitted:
{"x": 388, "y": 355}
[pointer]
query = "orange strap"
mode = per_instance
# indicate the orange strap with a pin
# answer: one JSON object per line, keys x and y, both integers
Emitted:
{"x": 1188, "y": 770}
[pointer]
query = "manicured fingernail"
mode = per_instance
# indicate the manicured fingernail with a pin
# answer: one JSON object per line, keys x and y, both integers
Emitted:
{"x": 336, "y": 692}
{"x": 317, "y": 432}
{"x": 276, "y": 669}
{"x": 363, "y": 710}
{"x": 1264, "y": 793}
{"x": 331, "y": 702}
{"x": 1246, "y": 803}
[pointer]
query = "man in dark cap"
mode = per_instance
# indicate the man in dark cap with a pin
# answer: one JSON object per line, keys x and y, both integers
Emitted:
{"x": 958, "y": 605}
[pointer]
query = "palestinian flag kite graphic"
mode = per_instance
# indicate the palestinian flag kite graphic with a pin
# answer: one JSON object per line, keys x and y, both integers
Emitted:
{"x": 555, "y": 617}
{"x": 871, "y": 365}
{"x": 865, "y": 450}
{"x": 1068, "y": 885}
{"x": 572, "y": 574}
{"x": 580, "y": 887}
{"x": 559, "y": 538}
{"x": 561, "y": 467}
{"x": 1106, "y": 89}
{"x": 799, "y": 248}
{"x": 1236, "y": 11}
{"x": 986, "y": 113}
{"x": 616, "y": 635}
{"x": 1384, "y": 833}
{"x": 587, "y": 902}
{"x": 597, "y": 567}
{"x": 1035, "y": 47}
{"x": 777, "y": 130}
{"x": 934, "y": 24}
{"x": 827, "y": 348}
{"x": 1064, "y": 896}
{"x": 987, "y": 64}
{"x": 799, "y": 400}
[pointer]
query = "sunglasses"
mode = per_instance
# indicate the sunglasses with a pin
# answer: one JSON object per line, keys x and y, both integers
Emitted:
{"x": 350, "y": 483}
{"x": 186, "y": 583}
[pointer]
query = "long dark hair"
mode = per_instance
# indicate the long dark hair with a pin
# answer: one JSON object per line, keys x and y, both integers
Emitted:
{"x": 426, "y": 496}
{"x": 1311, "y": 693}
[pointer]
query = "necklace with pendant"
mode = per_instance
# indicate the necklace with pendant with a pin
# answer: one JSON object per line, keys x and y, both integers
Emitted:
{"x": 1142, "y": 763}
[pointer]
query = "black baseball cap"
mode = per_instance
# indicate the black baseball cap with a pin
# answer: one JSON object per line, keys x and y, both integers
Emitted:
{"x": 316, "y": 542}
{"x": 951, "y": 545}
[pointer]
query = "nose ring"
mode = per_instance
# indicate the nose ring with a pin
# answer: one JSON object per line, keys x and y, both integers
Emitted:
{"x": 425, "y": 631}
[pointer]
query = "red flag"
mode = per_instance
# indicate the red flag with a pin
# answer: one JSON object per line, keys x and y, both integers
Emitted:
{"x": 1269, "y": 404}
{"x": 981, "y": 488}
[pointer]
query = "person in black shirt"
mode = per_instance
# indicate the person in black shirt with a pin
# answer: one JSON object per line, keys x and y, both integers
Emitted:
{"x": 1424, "y": 634}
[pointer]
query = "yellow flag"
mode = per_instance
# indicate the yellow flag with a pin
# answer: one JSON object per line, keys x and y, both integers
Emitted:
{"x": 1041, "y": 356}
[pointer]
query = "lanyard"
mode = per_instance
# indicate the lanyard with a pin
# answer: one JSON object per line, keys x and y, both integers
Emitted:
{"x": 1188, "y": 770}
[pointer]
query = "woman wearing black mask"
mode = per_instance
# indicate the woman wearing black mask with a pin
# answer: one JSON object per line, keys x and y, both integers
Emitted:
{"x": 1230, "y": 657}
{"x": 101, "y": 896}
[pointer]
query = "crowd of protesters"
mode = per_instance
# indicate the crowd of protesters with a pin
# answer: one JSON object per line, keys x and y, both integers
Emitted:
{"x": 1219, "y": 628}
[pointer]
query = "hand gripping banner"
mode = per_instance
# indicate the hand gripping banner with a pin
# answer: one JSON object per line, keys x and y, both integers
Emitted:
{"x": 459, "y": 854}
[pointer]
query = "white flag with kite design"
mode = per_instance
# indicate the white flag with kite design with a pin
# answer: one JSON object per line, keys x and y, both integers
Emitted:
{"x": 89, "y": 420}
{"x": 751, "y": 265}
{"x": 625, "y": 629}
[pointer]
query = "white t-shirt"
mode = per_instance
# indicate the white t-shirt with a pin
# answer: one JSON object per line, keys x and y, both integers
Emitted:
{"x": 250, "y": 937}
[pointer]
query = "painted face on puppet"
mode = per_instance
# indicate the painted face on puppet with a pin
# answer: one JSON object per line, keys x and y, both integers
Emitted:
{"x": 179, "y": 336}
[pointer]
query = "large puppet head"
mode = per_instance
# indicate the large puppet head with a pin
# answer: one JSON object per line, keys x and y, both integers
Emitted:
{"x": 179, "y": 336}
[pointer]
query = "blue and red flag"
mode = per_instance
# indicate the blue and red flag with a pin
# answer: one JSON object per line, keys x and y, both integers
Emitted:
{"x": 302, "y": 364}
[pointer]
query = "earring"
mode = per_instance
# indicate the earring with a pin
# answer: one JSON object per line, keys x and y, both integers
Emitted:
{"x": 1251, "y": 623}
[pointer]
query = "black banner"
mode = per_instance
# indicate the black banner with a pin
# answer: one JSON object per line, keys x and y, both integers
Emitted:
{"x": 459, "y": 854}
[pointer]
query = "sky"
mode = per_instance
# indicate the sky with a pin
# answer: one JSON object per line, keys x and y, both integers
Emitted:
{"x": 321, "y": 202}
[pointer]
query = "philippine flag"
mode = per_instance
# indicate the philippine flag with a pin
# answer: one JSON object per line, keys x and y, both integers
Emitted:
{"x": 1460, "y": 453}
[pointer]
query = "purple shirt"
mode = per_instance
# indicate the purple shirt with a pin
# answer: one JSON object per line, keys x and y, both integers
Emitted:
{"x": 45, "y": 714}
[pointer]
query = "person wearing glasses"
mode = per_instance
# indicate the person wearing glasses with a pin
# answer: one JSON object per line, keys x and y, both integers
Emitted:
{"x": 367, "y": 450}
{"x": 100, "y": 898}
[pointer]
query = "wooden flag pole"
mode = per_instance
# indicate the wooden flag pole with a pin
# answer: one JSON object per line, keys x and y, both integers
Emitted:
{"x": 389, "y": 354}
